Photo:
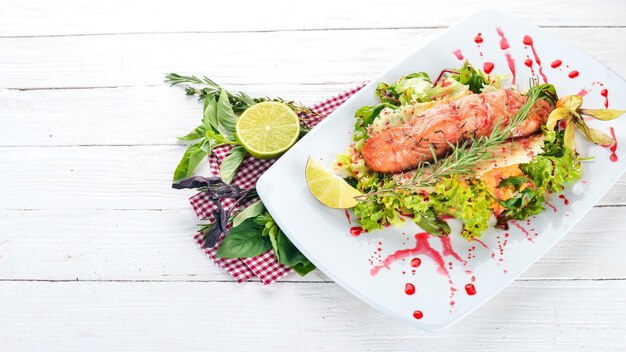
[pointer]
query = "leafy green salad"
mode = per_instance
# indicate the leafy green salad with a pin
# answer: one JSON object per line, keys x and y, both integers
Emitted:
{"x": 453, "y": 186}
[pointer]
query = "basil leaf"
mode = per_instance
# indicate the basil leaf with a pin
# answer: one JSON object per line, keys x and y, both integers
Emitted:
{"x": 253, "y": 210}
{"x": 434, "y": 225}
{"x": 210, "y": 113}
{"x": 197, "y": 133}
{"x": 192, "y": 157}
{"x": 231, "y": 163}
{"x": 244, "y": 241}
{"x": 225, "y": 115}
{"x": 206, "y": 146}
{"x": 287, "y": 254}
{"x": 273, "y": 236}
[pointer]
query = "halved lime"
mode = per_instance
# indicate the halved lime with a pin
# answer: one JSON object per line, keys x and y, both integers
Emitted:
{"x": 268, "y": 129}
{"x": 328, "y": 188}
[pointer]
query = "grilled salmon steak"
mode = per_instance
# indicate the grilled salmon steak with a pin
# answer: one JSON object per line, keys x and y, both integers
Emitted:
{"x": 405, "y": 147}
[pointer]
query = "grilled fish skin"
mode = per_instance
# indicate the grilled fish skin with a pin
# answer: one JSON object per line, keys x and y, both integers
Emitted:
{"x": 405, "y": 147}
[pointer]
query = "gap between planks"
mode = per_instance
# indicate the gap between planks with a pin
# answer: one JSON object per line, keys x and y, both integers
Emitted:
{"x": 274, "y": 31}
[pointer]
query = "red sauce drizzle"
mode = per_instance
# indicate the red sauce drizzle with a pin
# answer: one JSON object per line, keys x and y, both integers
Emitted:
{"x": 556, "y": 63}
{"x": 418, "y": 314}
{"x": 573, "y": 74}
{"x": 421, "y": 247}
{"x": 478, "y": 39}
{"x": 488, "y": 67}
{"x": 348, "y": 217}
{"x": 605, "y": 93}
{"x": 356, "y": 231}
{"x": 479, "y": 241}
{"x": 504, "y": 43}
{"x": 448, "y": 250}
{"x": 416, "y": 262}
{"x": 614, "y": 146}
{"x": 470, "y": 289}
{"x": 565, "y": 200}
{"x": 529, "y": 41}
{"x": 551, "y": 206}
{"x": 458, "y": 54}
{"x": 582, "y": 92}
{"x": 521, "y": 228}
{"x": 409, "y": 289}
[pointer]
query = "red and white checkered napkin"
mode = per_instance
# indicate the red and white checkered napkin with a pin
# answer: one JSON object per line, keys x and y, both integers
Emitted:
{"x": 263, "y": 266}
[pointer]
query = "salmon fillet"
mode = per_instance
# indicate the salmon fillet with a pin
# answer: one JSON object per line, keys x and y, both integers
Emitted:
{"x": 405, "y": 147}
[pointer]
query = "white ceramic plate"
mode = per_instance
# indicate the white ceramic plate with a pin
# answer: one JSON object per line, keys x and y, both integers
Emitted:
{"x": 322, "y": 234}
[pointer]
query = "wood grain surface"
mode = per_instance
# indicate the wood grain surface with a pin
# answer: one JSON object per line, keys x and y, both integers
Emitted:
{"x": 96, "y": 250}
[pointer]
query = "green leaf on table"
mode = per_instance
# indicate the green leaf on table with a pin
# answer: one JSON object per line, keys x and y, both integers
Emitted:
{"x": 287, "y": 254}
{"x": 192, "y": 157}
{"x": 197, "y": 133}
{"x": 225, "y": 114}
{"x": 255, "y": 209}
{"x": 210, "y": 114}
{"x": 244, "y": 241}
{"x": 231, "y": 163}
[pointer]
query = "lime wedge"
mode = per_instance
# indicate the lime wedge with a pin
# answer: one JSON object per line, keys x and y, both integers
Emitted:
{"x": 268, "y": 129}
{"x": 328, "y": 188}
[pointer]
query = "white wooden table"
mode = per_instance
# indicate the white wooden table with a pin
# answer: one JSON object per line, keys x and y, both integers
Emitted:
{"x": 96, "y": 250}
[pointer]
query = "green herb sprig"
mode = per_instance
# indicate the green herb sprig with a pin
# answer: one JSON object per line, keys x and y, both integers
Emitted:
{"x": 465, "y": 155}
{"x": 220, "y": 111}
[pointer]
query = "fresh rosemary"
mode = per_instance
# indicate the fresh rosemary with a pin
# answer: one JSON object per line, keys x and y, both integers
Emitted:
{"x": 465, "y": 155}
{"x": 239, "y": 100}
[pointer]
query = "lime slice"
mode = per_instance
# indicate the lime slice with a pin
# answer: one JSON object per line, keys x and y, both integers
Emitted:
{"x": 329, "y": 188}
{"x": 268, "y": 129}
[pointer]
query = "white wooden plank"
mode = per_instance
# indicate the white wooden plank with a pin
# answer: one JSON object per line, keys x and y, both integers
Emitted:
{"x": 109, "y": 178}
{"x": 527, "y": 316}
{"x": 119, "y": 116}
{"x": 158, "y": 245}
{"x": 238, "y": 58}
{"x": 28, "y": 18}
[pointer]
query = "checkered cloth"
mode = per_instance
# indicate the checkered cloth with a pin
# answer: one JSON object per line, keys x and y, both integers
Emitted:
{"x": 263, "y": 266}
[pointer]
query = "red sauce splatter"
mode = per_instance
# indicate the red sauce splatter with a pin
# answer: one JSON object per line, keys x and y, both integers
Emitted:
{"x": 473, "y": 279}
{"x": 605, "y": 94}
{"x": 348, "y": 217}
{"x": 488, "y": 67}
{"x": 458, "y": 54}
{"x": 573, "y": 74}
{"x": 421, "y": 247}
{"x": 478, "y": 39}
{"x": 470, "y": 289}
{"x": 565, "y": 200}
{"x": 529, "y": 41}
{"x": 356, "y": 231}
{"x": 551, "y": 206}
{"x": 511, "y": 62}
{"x": 479, "y": 241}
{"x": 521, "y": 228}
{"x": 582, "y": 92}
{"x": 528, "y": 62}
{"x": 409, "y": 289}
{"x": 416, "y": 262}
{"x": 614, "y": 146}
{"x": 504, "y": 43}
{"x": 556, "y": 63}
{"x": 448, "y": 250}
{"x": 418, "y": 314}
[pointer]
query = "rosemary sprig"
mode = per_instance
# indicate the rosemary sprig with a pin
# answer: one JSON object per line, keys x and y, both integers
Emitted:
{"x": 239, "y": 100}
{"x": 465, "y": 155}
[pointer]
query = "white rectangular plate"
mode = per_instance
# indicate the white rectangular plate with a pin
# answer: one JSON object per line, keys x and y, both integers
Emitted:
{"x": 323, "y": 235}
